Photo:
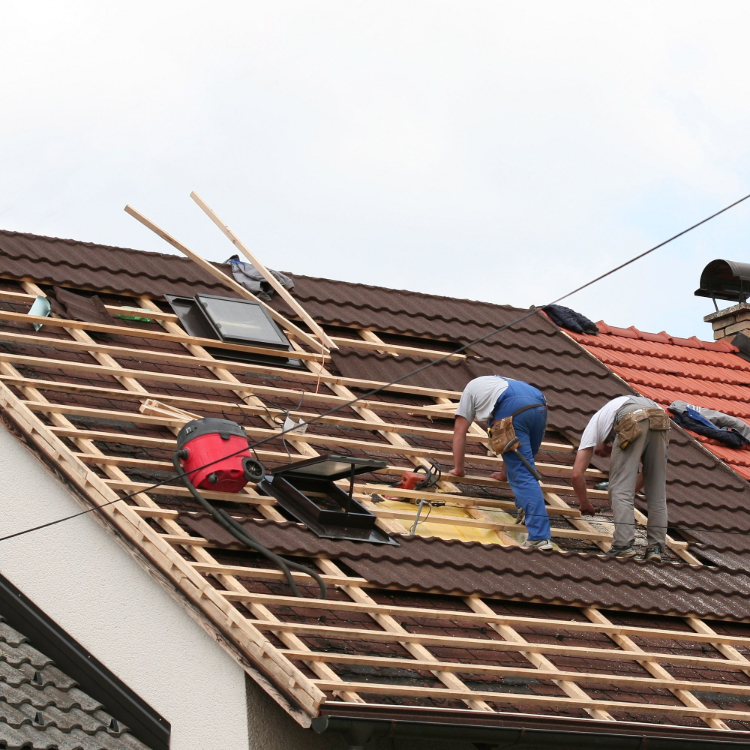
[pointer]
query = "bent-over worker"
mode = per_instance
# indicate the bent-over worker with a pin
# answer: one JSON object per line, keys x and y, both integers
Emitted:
{"x": 634, "y": 431}
{"x": 491, "y": 398}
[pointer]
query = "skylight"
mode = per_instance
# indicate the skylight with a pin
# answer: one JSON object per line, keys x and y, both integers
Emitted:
{"x": 232, "y": 321}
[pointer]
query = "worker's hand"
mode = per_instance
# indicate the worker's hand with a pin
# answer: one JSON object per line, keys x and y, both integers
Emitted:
{"x": 456, "y": 472}
{"x": 587, "y": 509}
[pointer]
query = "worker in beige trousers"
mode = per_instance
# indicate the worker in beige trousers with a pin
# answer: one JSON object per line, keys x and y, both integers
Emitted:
{"x": 634, "y": 431}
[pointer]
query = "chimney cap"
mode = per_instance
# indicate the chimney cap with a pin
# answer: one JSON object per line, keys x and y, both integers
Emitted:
{"x": 725, "y": 279}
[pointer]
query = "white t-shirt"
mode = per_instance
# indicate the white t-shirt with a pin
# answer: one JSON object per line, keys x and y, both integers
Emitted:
{"x": 480, "y": 396}
{"x": 601, "y": 424}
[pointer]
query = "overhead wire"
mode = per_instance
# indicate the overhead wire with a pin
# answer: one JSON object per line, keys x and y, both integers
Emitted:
{"x": 385, "y": 386}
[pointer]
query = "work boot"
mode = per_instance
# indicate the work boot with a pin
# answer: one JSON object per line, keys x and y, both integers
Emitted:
{"x": 653, "y": 553}
{"x": 543, "y": 544}
{"x": 628, "y": 550}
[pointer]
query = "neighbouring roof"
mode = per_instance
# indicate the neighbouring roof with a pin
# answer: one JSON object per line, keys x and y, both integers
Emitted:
{"x": 42, "y": 708}
{"x": 421, "y": 600}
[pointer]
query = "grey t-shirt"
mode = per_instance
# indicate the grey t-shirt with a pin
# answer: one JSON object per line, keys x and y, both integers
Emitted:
{"x": 480, "y": 396}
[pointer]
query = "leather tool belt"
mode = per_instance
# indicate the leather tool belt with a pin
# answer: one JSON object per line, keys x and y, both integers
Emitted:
{"x": 502, "y": 434}
{"x": 629, "y": 427}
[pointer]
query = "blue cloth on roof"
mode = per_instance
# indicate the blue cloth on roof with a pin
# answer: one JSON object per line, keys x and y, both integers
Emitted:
{"x": 695, "y": 422}
{"x": 530, "y": 426}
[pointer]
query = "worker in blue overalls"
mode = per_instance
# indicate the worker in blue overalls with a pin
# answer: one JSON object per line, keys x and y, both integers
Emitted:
{"x": 489, "y": 399}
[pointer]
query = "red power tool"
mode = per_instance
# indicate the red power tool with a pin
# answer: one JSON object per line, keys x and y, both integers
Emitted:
{"x": 421, "y": 478}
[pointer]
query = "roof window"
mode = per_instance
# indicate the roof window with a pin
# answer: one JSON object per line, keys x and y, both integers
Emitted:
{"x": 306, "y": 491}
{"x": 233, "y": 321}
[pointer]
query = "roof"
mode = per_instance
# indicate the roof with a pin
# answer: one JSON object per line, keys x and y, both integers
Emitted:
{"x": 42, "y": 708}
{"x": 706, "y": 373}
{"x": 444, "y": 620}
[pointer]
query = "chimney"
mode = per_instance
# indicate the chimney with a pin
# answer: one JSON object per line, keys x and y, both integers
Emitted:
{"x": 727, "y": 280}
{"x": 729, "y": 322}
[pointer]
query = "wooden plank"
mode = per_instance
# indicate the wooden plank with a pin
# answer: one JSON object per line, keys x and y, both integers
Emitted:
{"x": 142, "y": 333}
{"x": 287, "y": 325}
{"x": 207, "y": 383}
{"x": 265, "y": 273}
{"x": 533, "y": 699}
{"x": 480, "y": 644}
{"x": 174, "y": 567}
{"x": 187, "y": 401}
{"x": 138, "y": 418}
{"x": 488, "y": 616}
{"x": 658, "y": 671}
{"x": 381, "y": 662}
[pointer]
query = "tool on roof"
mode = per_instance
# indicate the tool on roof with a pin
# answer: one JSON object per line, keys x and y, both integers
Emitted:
{"x": 210, "y": 456}
{"x": 421, "y": 478}
{"x": 503, "y": 439}
{"x": 307, "y": 491}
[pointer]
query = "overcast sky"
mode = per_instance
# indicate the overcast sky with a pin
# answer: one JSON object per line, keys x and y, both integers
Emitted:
{"x": 501, "y": 151}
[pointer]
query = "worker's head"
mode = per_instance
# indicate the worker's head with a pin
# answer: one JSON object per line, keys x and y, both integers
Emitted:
{"x": 604, "y": 450}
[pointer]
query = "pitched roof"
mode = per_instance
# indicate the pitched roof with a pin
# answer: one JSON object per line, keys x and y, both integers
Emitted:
{"x": 82, "y": 401}
{"x": 41, "y": 707}
{"x": 706, "y": 373}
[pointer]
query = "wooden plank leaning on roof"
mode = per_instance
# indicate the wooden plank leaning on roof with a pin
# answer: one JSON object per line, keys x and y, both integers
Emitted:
{"x": 267, "y": 275}
{"x": 290, "y": 328}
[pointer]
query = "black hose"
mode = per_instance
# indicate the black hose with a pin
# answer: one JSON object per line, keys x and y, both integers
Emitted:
{"x": 240, "y": 533}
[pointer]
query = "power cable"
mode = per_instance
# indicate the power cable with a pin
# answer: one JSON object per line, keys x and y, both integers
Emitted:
{"x": 385, "y": 386}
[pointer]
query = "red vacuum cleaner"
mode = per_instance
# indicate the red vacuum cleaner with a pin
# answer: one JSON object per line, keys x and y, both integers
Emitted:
{"x": 214, "y": 454}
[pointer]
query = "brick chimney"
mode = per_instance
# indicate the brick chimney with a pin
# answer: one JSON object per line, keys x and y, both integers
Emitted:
{"x": 729, "y": 322}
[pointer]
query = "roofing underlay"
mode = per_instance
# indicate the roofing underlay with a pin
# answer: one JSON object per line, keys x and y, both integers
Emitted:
{"x": 630, "y": 633}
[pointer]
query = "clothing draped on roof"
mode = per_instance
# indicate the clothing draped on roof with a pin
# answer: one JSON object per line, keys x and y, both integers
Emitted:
{"x": 711, "y": 423}
{"x": 249, "y": 276}
{"x": 570, "y": 319}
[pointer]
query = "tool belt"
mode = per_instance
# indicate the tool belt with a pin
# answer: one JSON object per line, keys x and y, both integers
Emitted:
{"x": 629, "y": 427}
{"x": 502, "y": 433}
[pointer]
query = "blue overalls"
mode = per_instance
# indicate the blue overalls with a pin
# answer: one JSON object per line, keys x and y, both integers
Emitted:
{"x": 529, "y": 426}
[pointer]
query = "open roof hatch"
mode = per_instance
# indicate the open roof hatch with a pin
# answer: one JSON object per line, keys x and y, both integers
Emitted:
{"x": 233, "y": 321}
{"x": 306, "y": 490}
{"x": 725, "y": 279}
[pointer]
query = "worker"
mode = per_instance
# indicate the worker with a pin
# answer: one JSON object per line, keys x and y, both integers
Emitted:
{"x": 489, "y": 399}
{"x": 634, "y": 431}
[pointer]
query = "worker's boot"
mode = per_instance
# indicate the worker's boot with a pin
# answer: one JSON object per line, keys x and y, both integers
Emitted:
{"x": 543, "y": 544}
{"x": 653, "y": 553}
{"x": 628, "y": 550}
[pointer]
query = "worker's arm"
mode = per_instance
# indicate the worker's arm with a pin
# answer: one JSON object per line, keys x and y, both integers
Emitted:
{"x": 460, "y": 428}
{"x": 583, "y": 459}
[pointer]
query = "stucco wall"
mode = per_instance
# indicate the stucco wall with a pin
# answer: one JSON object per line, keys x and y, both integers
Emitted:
{"x": 83, "y": 579}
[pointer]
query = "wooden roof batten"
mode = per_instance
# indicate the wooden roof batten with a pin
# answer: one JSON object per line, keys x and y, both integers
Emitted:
{"x": 186, "y": 563}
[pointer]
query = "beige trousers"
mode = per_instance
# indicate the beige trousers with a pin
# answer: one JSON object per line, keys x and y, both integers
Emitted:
{"x": 650, "y": 449}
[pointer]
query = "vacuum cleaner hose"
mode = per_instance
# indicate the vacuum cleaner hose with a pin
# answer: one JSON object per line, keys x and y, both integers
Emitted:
{"x": 240, "y": 533}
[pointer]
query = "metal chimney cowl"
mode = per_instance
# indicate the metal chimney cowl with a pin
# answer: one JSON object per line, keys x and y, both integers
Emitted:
{"x": 727, "y": 280}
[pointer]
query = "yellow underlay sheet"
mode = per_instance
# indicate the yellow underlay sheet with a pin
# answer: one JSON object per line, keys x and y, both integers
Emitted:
{"x": 448, "y": 531}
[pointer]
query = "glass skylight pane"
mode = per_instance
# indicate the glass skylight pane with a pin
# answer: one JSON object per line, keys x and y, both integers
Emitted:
{"x": 241, "y": 321}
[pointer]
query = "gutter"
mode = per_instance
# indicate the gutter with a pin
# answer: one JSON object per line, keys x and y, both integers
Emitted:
{"x": 360, "y": 724}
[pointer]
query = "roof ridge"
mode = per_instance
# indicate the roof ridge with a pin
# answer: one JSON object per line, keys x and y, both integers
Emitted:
{"x": 66, "y": 241}
{"x": 693, "y": 342}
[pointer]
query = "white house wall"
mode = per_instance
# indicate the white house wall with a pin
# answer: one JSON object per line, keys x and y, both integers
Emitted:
{"x": 85, "y": 581}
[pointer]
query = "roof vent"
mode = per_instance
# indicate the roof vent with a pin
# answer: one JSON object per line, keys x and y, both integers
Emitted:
{"x": 233, "y": 321}
{"x": 725, "y": 279}
{"x": 306, "y": 490}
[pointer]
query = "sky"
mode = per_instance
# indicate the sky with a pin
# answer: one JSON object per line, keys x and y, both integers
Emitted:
{"x": 498, "y": 151}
